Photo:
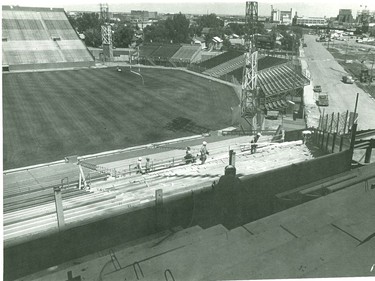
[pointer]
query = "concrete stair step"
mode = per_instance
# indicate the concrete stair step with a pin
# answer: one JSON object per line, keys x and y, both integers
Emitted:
{"x": 359, "y": 226}
{"x": 360, "y": 208}
{"x": 285, "y": 261}
{"x": 358, "y": 262}
{"x": 147, "y": 256}
{"x": 186, "y": 237}
{"x": 99, "y": 262}
{"x": 208, "y": 257}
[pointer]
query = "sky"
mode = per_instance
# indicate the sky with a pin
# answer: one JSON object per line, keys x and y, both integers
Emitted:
{"x": 329, "y": 8}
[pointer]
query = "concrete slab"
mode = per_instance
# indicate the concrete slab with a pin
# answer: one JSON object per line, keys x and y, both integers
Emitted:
{"x": 297, "y": 242}
{"x": 90, "y": 267}
{"x": 359, "y": 262}
{"x": 360, "y": 228}
{"x": 205, "y": 258}
{"x": 352, "y": 203}
{"x": 293, "y": 259}
{"x": 156, "y": 261}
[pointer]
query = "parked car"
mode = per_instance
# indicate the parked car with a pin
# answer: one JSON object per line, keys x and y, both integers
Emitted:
{"x": 348, "y": 79}
{"x": 317, "y": 88}
{"x": 323, "y": 99}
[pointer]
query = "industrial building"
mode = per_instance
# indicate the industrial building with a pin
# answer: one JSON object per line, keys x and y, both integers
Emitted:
{"x": 311, "y": 21}
{"x": 282, "y": 17}
{"x": 345, "y": 16}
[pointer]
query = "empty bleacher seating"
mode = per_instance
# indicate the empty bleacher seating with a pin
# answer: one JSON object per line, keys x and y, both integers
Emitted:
{"x": 40, "y": 36}
{"x": 263, "y": 63}
{"x": 226, "y": 67}
{"x": 187, "y": 53}
{"x": 215, "y": 61}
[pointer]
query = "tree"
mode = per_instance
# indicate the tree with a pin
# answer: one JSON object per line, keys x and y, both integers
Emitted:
{"x": 122, "y": 36}
{"x": 156, "y": 33}
{"x": 93, "y": 37}
{"x": 236, "y": 28}
{"x": 211, "y": 21}
{"x": 226, "y": 45}
{"x": 178, "y": 28}
{"x": 88, "y": 21}
{"x": 90, "y": 25}
{"x": 173, "y": 30}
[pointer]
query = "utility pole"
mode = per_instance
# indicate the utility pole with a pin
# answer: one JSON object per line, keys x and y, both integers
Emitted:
{"x": 346, "y": 49}
{"x": 372, "y": 66}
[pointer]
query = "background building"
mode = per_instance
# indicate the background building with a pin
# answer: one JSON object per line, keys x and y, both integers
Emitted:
{"x": 345, "y": 15}
{"x": 311, "y": 21}
{"x": 137, "y": 14}
{"x": 283, "y": 17}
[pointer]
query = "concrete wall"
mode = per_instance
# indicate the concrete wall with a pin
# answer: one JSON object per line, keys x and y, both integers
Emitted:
{"x": 57, "y": 65}
{"x": 255, "y": 198}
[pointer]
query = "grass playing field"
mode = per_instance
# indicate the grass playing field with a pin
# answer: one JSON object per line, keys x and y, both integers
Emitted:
{"x": 50, "y": 115}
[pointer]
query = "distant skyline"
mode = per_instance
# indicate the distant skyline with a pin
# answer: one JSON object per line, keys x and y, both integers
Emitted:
{"x": 234, "y": 7}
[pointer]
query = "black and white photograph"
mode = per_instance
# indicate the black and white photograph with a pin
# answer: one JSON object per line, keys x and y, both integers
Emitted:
{"x": 188, "y": 140}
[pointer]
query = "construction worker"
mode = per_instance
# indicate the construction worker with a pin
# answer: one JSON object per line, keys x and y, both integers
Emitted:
{"x": 253, "y": 143}
{"x": 189, "y": 158}
{"x": 227, "y": 198}
{"x": 148, "y": 165}
{"x": 257, "y": 137}
{"x": 203, "y": 152}
{"x": 139, "y": 166}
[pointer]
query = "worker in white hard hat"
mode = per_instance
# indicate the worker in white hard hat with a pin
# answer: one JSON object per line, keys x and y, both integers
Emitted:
{"x": 139, "y": 166}
{"x": 204, "y": 152}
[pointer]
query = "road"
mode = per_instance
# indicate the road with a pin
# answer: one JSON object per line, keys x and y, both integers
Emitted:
{"x": 327, "y": 72}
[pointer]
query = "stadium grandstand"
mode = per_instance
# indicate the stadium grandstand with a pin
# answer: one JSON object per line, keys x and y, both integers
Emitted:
{"x": 188, "y": 54}
{"x": 40, "y": 38}
{"x": 263, "y": 63}
{"x": 215, "y": 61}
{"x": 277, "y": 82}
{"x": 157, "y": 54}
{"x": 226, "y": 67}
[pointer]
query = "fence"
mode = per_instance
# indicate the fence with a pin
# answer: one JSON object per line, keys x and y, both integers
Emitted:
{"x": 334, "y": 131}
{"x": 336, "y": 122}
{"x": 132, "y": 168}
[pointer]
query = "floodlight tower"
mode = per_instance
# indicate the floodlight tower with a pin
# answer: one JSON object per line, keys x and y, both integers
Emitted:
{"x": 250, "y": 101}
{"x": 106, "y": 33}
{"x": 107, "y": 42}
{"x": 251, "y": 19}
{"x": 104, "y": 12}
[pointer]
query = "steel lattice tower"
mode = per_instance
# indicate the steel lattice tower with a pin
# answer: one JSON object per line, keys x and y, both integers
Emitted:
{"x": 106, "y": 33}
{"x": 107, "y": 42}
{"x": 104, "y": 12}
{"x": 250, "y": 102}
{"x": 251, "y": 12}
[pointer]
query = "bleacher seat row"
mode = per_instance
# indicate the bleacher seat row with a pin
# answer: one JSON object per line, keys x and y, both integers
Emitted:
{"x": 33, "y": 36}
